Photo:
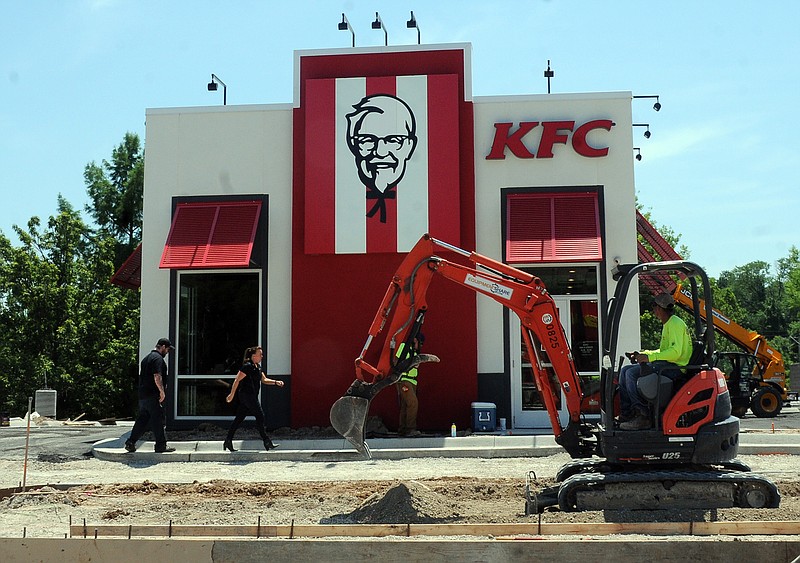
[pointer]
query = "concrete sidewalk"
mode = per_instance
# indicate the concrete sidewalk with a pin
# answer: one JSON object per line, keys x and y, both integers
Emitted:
{"x": 338, "y": 449}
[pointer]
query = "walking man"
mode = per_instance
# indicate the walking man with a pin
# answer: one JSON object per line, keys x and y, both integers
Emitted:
{"x": 152, "y": 376}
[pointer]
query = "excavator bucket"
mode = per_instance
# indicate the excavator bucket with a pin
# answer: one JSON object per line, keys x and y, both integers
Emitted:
{"x": 348, "y": 417}
{"x": 349, "y": 413}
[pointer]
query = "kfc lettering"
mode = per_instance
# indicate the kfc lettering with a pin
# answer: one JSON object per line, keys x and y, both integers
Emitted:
{"x": 553, "y": 132}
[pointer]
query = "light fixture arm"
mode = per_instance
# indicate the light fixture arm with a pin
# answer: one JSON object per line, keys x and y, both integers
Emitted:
{"x": 647, "y": 130}
{"x": 638, "y": 153}
{"x": 344, "y": 25}
{"x": 378, "y": 24}
{"x": 656, "y": 106}
{"x": 412, "y": 23}
{"x": 212, "y": 87}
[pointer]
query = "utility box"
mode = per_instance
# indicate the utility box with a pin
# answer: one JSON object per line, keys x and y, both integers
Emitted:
{"x": 46, "y": 402}
{"x": 484, "y": 417}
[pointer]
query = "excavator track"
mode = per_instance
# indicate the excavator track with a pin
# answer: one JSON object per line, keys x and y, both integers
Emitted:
{"x": 666, "y": 489}
{"x": 596, "y": 465}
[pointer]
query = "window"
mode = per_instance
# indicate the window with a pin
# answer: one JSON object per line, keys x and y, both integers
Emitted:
{"x": 218, "y": 317}
{"x": 552, "y": 227}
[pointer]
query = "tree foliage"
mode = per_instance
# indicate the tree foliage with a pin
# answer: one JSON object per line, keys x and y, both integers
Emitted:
{"x": 115, "y": 191}
{"x": 769, "y": 302}
{"x": 62, "y": 323}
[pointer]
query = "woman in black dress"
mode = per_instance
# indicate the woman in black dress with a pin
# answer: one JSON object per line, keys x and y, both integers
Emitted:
{"x": 246, "y": 389}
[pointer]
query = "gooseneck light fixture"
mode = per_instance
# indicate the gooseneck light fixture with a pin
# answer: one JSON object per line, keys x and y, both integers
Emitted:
{"x": 412, "y": 23}
{"x": 638, "y": 153}
{"x": 656, "y": 106}
{"x": 212, "y": 87}
{"x": 647, "y": 131}
{"x": 344, "y": 25}
{"x": 378, "y": 24}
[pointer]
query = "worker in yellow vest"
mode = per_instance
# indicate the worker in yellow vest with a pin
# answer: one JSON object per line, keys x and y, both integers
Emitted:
{"x": 407, "y": 394}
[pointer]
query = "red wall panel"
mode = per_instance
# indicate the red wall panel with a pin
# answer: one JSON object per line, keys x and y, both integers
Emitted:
{"x": 335, "y": 297}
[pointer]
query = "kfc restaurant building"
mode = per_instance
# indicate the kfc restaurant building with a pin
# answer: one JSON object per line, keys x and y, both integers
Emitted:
{"x": 283, "y": 224}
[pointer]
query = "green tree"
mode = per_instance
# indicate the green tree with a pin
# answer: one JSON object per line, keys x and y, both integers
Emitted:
{"x": 759, "y": 294}
{"x": 62, "y": 323}
{"x": 60, "y": 317}
{"x": 116, "y": 189}
{"x": 789, "y": 275}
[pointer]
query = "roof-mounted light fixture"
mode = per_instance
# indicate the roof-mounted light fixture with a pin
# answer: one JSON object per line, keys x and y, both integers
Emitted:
{"x": 212, "y": 87}
{"x": 656, "y": 106}
{"x": 548, "y": 74}
{"x": 638, "y": 153}
{"x": 412, "y": 23}
{"x": 344, "y": 25}
{"x": 378, "y": 24}
{"x": 647, "y": 131}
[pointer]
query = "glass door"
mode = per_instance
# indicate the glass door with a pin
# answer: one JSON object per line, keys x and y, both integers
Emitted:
{"x": 578, "y": 311}
{"x": 528, "y": 408}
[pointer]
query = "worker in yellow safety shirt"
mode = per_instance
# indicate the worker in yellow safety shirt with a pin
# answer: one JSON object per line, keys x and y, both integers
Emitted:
{"x": 407, "y": 394}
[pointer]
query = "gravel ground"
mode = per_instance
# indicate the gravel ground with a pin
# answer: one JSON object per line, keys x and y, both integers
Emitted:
{"x": 422, "y": 490}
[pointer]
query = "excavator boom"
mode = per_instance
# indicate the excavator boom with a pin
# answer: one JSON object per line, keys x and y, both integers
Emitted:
{"x": 400, "y": 316}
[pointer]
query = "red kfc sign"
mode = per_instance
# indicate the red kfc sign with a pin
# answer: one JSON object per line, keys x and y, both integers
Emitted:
{"x": 552, "y": 133}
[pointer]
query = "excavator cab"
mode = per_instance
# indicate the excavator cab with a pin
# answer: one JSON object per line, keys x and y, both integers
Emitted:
{"x": 687, "y": 459}
{"x": 704, "y": 399}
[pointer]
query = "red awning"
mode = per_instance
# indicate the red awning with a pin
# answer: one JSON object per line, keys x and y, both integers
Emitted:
{"x": 129, "y": 274}
{"x": 211, "y": 235}
{"x": 553, "y": 227}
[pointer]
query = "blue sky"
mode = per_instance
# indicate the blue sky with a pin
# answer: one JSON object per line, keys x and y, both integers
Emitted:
{"x": 720, "y": 168}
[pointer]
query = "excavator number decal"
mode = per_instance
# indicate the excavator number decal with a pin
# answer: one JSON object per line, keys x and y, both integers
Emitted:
{"x": 552, "y": 335}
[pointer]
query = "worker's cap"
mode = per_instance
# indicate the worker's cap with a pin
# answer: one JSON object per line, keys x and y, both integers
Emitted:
{"x": 664, "y": 300}
{"x": 164, "y": 342}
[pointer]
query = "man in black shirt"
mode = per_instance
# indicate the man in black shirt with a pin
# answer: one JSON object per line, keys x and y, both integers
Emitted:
{"x": 151, "y": 398}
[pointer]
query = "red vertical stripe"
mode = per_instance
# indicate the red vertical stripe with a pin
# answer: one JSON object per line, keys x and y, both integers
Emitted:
{"x": 382, "y": 237}
{"x": 320, "y": 159}
{"x": 443, "y": 157}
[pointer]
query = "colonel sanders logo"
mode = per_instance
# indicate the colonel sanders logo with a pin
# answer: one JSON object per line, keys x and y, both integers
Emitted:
{"x": 381, "y": 134}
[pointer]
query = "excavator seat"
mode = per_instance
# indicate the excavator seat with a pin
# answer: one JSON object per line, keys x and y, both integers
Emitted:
{"x": 658, "y": 389}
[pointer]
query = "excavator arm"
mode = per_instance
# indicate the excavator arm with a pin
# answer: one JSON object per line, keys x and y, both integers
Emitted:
{"x": 401, "y": 314}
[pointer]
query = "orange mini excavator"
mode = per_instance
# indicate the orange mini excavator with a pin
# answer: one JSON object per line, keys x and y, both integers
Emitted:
{"x": 687, "y": 460}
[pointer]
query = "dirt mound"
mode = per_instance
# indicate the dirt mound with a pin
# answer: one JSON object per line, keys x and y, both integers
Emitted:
{"x": 406, "y": 503}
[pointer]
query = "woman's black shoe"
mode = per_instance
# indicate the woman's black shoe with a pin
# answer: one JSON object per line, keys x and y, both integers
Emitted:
{"x": 228, "y": 445}
{"x": 268, "y": 445}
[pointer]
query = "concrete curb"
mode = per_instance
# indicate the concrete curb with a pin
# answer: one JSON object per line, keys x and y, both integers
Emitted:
{"x": 339, "y": 450}
{"x": 329, "y": 450}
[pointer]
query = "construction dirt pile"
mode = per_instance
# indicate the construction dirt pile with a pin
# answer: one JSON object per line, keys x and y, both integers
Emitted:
{"x": 47, "y": 511}
{"x": 64, "y": 489}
